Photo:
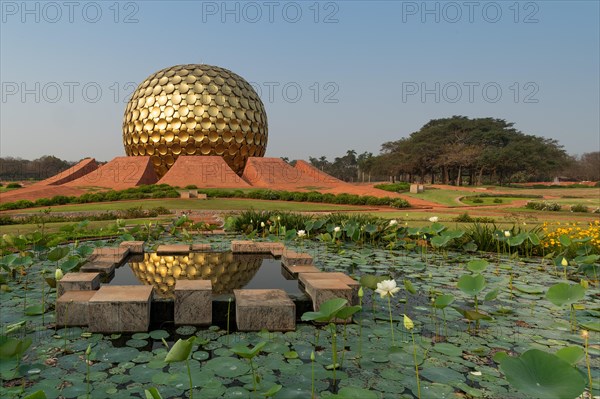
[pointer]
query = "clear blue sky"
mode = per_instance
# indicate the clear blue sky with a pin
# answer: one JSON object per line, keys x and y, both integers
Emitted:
{"x": 369, "y": 71}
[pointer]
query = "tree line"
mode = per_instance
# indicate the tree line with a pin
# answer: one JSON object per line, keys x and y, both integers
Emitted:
{"x": 460, "y": 150}
{"x": 456, "y": 150}
{"x": 38, "y": 169}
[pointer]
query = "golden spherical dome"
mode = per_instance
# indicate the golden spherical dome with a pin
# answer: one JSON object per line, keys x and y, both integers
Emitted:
{"x": 195, "y": 110}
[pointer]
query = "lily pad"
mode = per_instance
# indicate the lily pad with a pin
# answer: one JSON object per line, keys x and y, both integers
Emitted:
{"x": 565, "y": 294}
{"x": 448, "y": 349}
{"x": 471, "y": 285}
{"x": 228, "y": 367}
{"x": 442, "y": 375}
{"x": 543, "y": 375}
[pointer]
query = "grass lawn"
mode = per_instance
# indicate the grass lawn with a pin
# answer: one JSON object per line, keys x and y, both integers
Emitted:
{"x": 591, "y": 203}
{"x": 442, "y": 197}
{"x": 490, "y": 200}
{"x": 227, "y": 204}
{"x": 55, "y": 227}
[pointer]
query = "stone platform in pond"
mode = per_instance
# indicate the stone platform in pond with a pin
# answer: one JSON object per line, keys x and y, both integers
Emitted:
{"x": 84, "y": 301}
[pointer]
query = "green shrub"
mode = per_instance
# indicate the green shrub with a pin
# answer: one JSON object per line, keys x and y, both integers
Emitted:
{"x": 394, "y": 187}
{"x": 314, "y": 196}
{"x": 477, "y": 201}
{"x": 498, "y": 201}
{"x": 466, "y": 218}
{"x": 13, "y": 185}
{"x": 543, "y": 206}
{"x": 399, "y": 203}
{"x": 7, "y": 220}
{"x": 301, "y": 197}
{"x": 579, "y": 208}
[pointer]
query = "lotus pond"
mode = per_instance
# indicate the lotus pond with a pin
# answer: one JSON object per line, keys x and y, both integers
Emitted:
{"x": 481, "y": 326}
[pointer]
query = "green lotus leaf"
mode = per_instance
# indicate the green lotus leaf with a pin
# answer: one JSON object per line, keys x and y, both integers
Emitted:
{"x": 409, "y": 287}
{"x": 152, "y": 393}
{"x": 477, "y": 265}
{"x": 443, "y": 300}
{"x": 36, "y": 395}
{"x": 493, "y": 294}
{"x": 472, "y": 314}
{"x": 565, "y": 294}
{"x": 228, "y": 367}
{"x": 247, "y": 352}
{"x": 327, "y": 311}
{"x": 543, "y": 375}
{"x": 571, "y": 354}
{"x": 471, "y": 285}
{"x": 58, "y": 253}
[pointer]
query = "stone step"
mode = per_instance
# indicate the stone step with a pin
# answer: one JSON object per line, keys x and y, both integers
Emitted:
{"x": 173, "y": 249}
{"x": 114, "y": 254}
{"x": 291, "y": 272}
{"x": 72, "y": 308}
{"x": 303, "y": 278}
{"x": 199, "y": 247}
{"x": 293, "y": 258}
{"x": 247, "y": 246}
{"x": 120, "y": 309}
{"x": 78, "y": 282}
{"x": 135, "y": 247}
{"x": 193, "y": 302}
{"x": 99, "y": 266}
{"x": 270, "y": 309}
{"x": 322, "y": 290}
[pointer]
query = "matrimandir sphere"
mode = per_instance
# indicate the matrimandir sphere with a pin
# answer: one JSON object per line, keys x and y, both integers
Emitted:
{"x": 195, "y": 110}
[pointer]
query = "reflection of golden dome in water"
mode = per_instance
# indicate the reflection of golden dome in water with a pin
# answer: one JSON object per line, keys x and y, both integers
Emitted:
{"x": 226, "y": 271}
{"x": 195, "y": 110}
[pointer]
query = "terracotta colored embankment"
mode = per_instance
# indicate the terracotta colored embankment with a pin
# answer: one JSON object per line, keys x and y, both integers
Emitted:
{"x": 318, "y": 177}
{"x": 34, "y": 192}
{"x": 119, "y": 174}
{"x": 74, "y": 172}
{"x": 274, "y": 173}
{"x": 203, "y": 172}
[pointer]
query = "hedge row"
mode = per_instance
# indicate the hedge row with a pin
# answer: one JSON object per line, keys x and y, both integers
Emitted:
{"x": 166, "y": 191}
{"x": 141, "y": 192}
{"x": 311, "y": 196}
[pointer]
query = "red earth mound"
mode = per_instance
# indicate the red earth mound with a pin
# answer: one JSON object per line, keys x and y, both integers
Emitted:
{"x": 74, "y": 172}
{"x": 317, "y": 176}
{"x": 119, "y": 174}
{"x": 203, "y": 172}
{"x": 274, "y": 173}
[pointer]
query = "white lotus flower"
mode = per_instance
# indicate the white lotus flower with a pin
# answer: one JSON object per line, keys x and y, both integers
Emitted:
{"x": 393, "y": 222}
{"x": 336, "y": 229}
{"x": 506, "y": 233}
{"x": 301, "y": 233}
{"x": 434, "y": 219}
{"x": 387, "y": 287}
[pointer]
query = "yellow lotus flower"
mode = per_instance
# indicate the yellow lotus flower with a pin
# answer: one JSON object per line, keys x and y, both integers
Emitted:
{"x": 408, "y": 323}
{"x": 58, "y": 274}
